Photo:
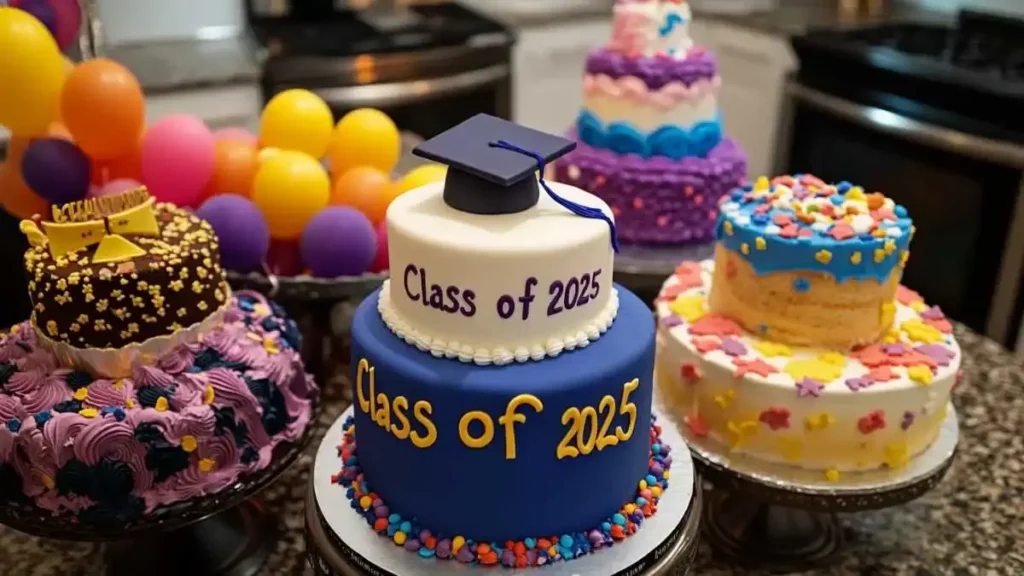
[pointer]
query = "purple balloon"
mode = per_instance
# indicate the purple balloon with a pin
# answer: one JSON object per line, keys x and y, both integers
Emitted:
{"x": 339, "y": 241}
{"x": 56, "y": 170}
{"x": 241, "y": 228}
{"x": 43, "y": 11}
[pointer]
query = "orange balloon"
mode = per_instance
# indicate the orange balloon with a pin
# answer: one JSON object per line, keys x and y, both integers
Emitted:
{"x": 235, "y": 165}
{"x": 16, "y": 197}
{"x": 366, "y": 189}
{"x": 104, "y": 109}
{"x": 127, "y": 167}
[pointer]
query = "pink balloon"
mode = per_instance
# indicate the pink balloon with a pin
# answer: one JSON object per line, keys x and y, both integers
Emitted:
{"x": 177, "y": 159}
{"x": 69, "y": 21}
{"x": 235, "y": 134}
{"x": 113, "y": 187}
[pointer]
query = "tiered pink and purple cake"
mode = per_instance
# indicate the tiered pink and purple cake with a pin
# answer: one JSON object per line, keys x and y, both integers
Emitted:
{"x": 650, "y": 134}
{"x": 140, "y": 381}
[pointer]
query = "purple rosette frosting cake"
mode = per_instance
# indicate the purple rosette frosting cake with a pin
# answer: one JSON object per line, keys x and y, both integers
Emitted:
{"x": 205, "y": 409}
{"x": 650, "y": 136}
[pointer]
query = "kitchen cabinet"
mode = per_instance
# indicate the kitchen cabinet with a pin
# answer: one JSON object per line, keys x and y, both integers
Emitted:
{"x": 219, "y": 106}
{"x": 548, "y": 71}
{"x": 754, "y": 69}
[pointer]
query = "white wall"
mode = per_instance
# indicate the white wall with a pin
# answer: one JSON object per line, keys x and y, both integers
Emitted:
{"x": 142, "y": 20}
{"x": 1012, "y": 7}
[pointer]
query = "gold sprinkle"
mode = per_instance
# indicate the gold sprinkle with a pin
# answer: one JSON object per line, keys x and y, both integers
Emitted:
{"x": 89, "y": 412}
{"x": 206, "y": 465}
{"x": 210, "y": 395}
{"x": 189, "y": 443}
{"x": 161, "y": 404}
{"x": 81, "y": 394}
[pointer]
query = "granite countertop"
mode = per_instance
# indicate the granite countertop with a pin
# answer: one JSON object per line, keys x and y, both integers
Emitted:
{"x": 970, "y": 524}
{"x": 170, "y": 65}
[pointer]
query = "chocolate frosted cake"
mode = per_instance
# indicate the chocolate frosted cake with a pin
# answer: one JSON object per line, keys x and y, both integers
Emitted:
{"x": 140, "y": 381}
{"x": 650, "y": 134}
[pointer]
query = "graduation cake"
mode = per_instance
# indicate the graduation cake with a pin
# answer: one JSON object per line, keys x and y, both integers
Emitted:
{"x": 139, "y": 380}
{"x": 797, "y": 344}
{"x": 503, "y": 383}
{"x": 651, "y": 142}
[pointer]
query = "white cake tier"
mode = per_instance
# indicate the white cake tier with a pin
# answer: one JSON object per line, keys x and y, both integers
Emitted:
{"x": 494, "y": 289}
{"x": 628, "y": 100}
{"x": 651, "y": 28}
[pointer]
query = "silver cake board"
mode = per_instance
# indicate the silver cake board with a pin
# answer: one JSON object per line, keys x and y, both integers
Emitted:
{"x": 340, "y": 542}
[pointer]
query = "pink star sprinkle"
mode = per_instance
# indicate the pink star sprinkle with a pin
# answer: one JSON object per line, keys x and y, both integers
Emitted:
{"x": 776, "y": 417}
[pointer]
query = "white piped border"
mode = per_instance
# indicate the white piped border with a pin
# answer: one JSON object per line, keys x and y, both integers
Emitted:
{"x": 466, "y": 352}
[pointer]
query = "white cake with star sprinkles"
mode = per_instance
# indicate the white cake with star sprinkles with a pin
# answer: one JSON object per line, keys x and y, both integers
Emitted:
{"x": 796, "y": 343}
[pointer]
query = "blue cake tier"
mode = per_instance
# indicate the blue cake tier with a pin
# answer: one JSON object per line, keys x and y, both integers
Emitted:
{"x": 434, "y": 437}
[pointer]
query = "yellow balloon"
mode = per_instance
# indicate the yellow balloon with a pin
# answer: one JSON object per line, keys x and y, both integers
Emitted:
{"x": 267, "y": 153}
{"x": 420, "y": 176}
{"x": 297, "y": 120}
{"x": 31, "y": 73}
{"x": 364, "y": 137}
{"x": 290, "y": 188}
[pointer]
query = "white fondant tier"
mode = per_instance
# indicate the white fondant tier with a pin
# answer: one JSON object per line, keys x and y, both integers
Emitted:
{"x": 498, "y": 288}
{"x": 628, "y": 100}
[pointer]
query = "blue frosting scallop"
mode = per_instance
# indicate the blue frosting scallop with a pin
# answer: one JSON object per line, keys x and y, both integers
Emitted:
{"x": 478, "y": 492}
{"x": 740, "y": 227}
{"x": 670, "y": 141}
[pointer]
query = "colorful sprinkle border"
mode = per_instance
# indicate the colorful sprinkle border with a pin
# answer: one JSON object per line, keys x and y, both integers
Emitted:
{"x": 511, "y": 554}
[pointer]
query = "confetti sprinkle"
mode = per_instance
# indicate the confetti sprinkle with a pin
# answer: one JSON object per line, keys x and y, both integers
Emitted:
{"x": 425, "y": 543}
{"x": 809, "y": 387}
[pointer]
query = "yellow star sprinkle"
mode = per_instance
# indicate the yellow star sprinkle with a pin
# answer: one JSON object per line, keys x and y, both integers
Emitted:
{"x": 740, "y": 432}
{"x": 918, "y": 306}
{"x": 896, "y": 455}
{"x": 772, "y": 349}
{"x": 210, "y": 395}
{"x": 89, "y": 412}
{"x": 832, "y": 475}
{"x": 855, "y": 258}
{"x": 47, "y": 482}
{"x": 824, "y": 372}
{"x": 856, "y": 193}
{"x": 206, "y": 465}
{"x": 81, "y": 394}
{"x": 118, "y": 384}
{"x": 269, "y": 346}
{"x": 762, "y": 183}
{"x": 918, "y": 331}
{"x": 745, "y": 248}
{"x": 129, "y": 403}
{"x": 891, "y": 337}
{"x": 261, "y": 310}
{"x": 816, "y": 422}
{"x": 692, "y": 308}
{"x": 903, "y": 258}
{"x": 189, "y": 443}
{"x": 760, "y": 243}
{"x": 879, "y": 255}
{"x": 725, "y": 398}
{"x": 161, "y": 404}
{"x": 889, "y": 246}
{"x": 921, "y": 374}
{"x": 789, "y": 448}
{"x": 833, "y": 358}
{"x": 823, "y": 256}
{"x": 727, "y": 226}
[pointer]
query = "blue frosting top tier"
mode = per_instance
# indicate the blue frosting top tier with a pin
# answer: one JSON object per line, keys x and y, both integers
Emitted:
{"x": 799, "y": 223}
{"x": 670, "y": 141}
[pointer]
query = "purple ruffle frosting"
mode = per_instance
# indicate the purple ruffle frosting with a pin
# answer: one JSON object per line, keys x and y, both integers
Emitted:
{"x": 657, "y": 200}
{"x": 655, "y": 71}
{"x": 37, "y": 440}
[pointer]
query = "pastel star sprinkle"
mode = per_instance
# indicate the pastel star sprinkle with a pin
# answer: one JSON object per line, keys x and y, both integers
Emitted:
{"x": 815, "y": 369}
{"x": 920, "y": 374}
{"x": 917, "y": 331}
{"x": 776, "y": 417}
{"x": 882, "y": 374}
{"x": 760, "y": 243}
{"x": 942, "y": 355}
{"x": 855, "y": 258}
{"x": 740, "y": 432}
{"x": 689, "y": 372}
{"x": 671, "y": 321}
{"x": 715, "y": 325}
{"x": 871, "y": 422}
{"x": 833, "y": 358}
{"x": 832, "y": 475}
{"x": 908, "y": 420}
{"x": 690, "y": 308}
{"x": 705, "y": 345}
{"x": 772, "y": 349}
{"x": 816, "y": 422}
{"x": 823, "y": 256}
{"x": 859, "y": 383}
{"x": 809, "y": 387}
{"x": 697, "y": 426}
{"x": 896, "y": 455}
{"x": 733, "y": 347}
{"x": 756, "y": 366}
{"x": 724, "y": 399}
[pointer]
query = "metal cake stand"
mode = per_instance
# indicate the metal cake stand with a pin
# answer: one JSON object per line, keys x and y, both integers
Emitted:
{"x": 339, "y": 543}
{"x": 784, "y": 519}
{"x": 223, "y": 534}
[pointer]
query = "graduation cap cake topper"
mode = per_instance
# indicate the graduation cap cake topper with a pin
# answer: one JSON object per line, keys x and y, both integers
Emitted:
{"x": 491, "y": 164}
